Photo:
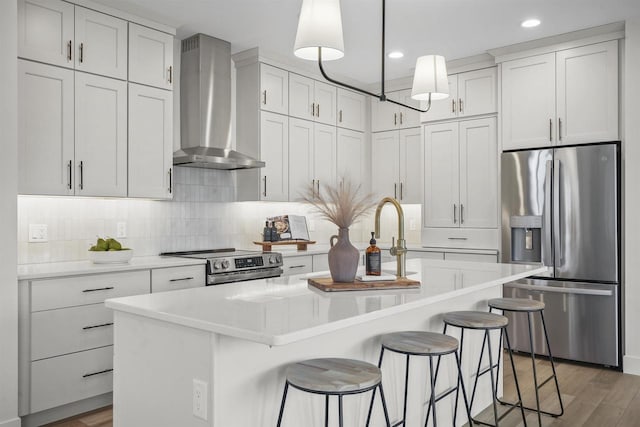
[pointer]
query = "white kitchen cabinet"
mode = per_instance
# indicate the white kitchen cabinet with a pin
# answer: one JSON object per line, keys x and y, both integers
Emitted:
{"x": 461, "y": 181}
{"x": 274, "y": 151}
{"x": 471, "y": 93}
{"x": 566, "y": 97}
{"x": 312, "y": 156}
{"x": 387, "y": 115}
{"x": 173, "y": 278}
{"x": 100, "y": 136}
{"x": 274, "y": 89}
{"x": 425, "y": 255}
{"x": 297, "y": 265}
{"x": 150, "y": 57}
{"x": 351, "y": 110}
{"x": 100, "y": 43}
{"x": 312, "y": 100}
{"x": 410, "y": 169}
{"x": 473, "y": 257}
{"x": 45, "y": 129}
{"x": 352, "y": 159}
{"x": 150, "y": 147}
{"x": 321, "y": 262}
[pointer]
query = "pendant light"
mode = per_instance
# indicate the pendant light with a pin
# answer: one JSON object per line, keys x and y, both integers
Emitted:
{"x": 319, "y": 37}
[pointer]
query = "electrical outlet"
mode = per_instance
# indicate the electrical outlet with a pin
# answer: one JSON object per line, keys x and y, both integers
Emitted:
{"x": 38, "y": 233}
{"x": 312, "y": 225}
{"x": 121, "y": 230}
{"x": 200, "y": 399}
{"x": 412, "y": 224}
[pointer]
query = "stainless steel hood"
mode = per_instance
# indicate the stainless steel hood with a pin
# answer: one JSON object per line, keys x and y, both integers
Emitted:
{"x": 205, "y": 107}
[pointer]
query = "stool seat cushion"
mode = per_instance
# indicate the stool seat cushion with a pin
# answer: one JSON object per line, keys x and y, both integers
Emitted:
{"x": 516, "y": 304}
{"x": 475, "y": 320}
{"x": 420, "y": 343}
{"x": 333, "y": 375}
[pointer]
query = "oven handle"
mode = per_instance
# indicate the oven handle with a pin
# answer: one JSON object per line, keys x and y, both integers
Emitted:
{"x": 559, "y": 290}
{"x": 219, "y": 279}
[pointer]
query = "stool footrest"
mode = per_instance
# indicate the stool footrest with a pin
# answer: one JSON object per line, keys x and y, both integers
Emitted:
{"x": 487, "y": 369}
{"x": 515, "y": 405}
{"x": 444, "y": 394}
{"x": 512, "y": 407}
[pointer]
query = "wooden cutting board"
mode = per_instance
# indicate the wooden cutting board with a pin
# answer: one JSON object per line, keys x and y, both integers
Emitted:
{"x": 328, "y": 285}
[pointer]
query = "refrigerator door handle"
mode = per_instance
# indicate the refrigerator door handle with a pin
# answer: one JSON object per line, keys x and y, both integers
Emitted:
{"x": 557, "y": 217}
{"x": 547, "y": 250}
{"x": 558, "y": 290}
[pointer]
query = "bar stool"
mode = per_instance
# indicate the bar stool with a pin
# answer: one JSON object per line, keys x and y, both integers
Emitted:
{"x": 528, "y": 306}
{"x": 483, "y": 321}
{"x": 426, "y": 344}
{"x": 333, "y": 377}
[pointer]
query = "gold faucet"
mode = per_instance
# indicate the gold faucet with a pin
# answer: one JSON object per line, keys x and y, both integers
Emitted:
{"x": 400, "y": 250}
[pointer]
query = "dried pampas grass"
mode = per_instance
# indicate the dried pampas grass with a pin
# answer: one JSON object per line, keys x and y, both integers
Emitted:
{"x": 343, "y": 204}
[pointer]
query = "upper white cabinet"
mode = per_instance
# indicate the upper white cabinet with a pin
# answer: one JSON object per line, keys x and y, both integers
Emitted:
{"x": 566, "y": 97}
{"x": 351, "y": 110}
{"x": 387, "y": 115}
{"x": 471, "y": 93}
{"x": 461, "y": 174}
{"x": 352, "y": 158}
{"x": 150, "y": 147}
{"x": 274, "y": 151}
{"x": 150, "y": 57}
{"x": 312, "y": 100}
{"x": 274, "y": 89}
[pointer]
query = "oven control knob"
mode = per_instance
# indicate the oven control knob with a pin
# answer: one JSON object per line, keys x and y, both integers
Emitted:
{"x": 217, "y": 265}
{"x": 225, "y": 263}
{"x": 274, "y": 259}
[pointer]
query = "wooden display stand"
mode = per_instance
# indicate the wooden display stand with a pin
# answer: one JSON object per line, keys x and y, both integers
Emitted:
{"x": 326, "y": 284}
{"x": 302, "y": 244}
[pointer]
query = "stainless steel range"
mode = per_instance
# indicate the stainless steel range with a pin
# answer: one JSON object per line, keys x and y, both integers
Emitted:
{"x": 230, "y": 265}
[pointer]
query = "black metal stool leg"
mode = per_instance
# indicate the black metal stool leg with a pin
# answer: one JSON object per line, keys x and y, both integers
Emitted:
{"x": 284, "y": 398}
{"x": 340, "y": 420}
{"x": 406, "y": 390}
{"x": 475, "y": 382}
{"x": 373, "y": 396}
{"x": 515, "y": 377}
{"x": 460, "y": 380}
{"x": 384, "y": 405}
{"x": 553, "y": 369}
{"x": 464, "y": 393}
{"x": 326, "y": 410}
{"x": 494, "y": 387}
{"x": 533, "y": 366}
{"x": 433, "y": 392}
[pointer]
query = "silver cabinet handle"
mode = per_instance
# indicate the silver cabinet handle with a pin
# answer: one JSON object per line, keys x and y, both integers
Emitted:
{"x": 550, "y": 130}
{"x": 265, "y": 186}
{"x": 457, "y": 238}
{"x": 81, "y": 175}
{"x": 69, "y": 167}
{"x": 170, "y": 180}
{"x": 69, "y": 50}
{"x": 395, "y": 190}
{"x": 318, "y": 186}
{"x": 460, "y": 105}
{"x": 318, "y": 110}
{"x": 453, "y": 105}
{"x": 171, "y": 74}
{"x": 340, "y": 116}
{"x": 106, "y": 371}
{"x": 400, "y": 123}
{"x": 81, "y": 52}
{"x": 313, "y": 188}
{"x": 297, "y": 266}
{"x": 559, "y": 128}
{"x": 264, "y": 97}
{"x": 313, "y": 109}
{"x": 181, "y": 280}
{"x": 97, "y": 326}
{"x": 461, "y": 213}
{"x": 401, "y": 192}
{"x": 99, "y": 289}
{"x": 395, "y": 118}
{"x": 455, "y": 220}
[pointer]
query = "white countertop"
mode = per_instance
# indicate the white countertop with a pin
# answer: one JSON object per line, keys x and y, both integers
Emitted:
{"x": 74, "y": 268}
{"x": 324, "y": 249}
{"x": 285, "y": 309}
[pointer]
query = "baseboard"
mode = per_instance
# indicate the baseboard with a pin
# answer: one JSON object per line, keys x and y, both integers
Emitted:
{"x": 66, "y": 411}
{"x": 14, "y": 422}
{"x": 631, "y": 365}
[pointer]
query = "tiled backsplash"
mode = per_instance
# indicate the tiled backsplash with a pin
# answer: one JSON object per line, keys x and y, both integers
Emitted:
{"x": 202, "y": 215}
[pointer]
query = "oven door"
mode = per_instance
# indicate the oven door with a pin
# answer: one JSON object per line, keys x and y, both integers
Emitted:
{"x": 242, "y": 276}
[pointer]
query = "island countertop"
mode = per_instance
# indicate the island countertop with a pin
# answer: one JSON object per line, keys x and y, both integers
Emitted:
{"x": 285, "y": 310}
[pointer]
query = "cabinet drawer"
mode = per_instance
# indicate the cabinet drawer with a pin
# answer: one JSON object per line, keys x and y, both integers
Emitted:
{"x": 81, "y": 290}
{"x": 456, "y": 256}
{"x": 472, "y": 238}
{"x": 170, "y": 279}
{"x": 297, "y": 265}
{"x": 60, "y": 380}
{"x": 68, "y": 330}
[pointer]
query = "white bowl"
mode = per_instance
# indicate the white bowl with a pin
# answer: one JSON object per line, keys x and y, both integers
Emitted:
{"x": 110, "y": 257}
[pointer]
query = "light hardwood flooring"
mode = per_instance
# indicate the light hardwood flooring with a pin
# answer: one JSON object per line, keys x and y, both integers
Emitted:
{"x": 592, "y": 396}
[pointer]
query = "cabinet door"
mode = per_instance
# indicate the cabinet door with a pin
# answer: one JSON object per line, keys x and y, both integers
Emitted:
{"x": 101, "y": 44}
{"x": 443, "y": 109}
{"x": 477, "y": 92}
{"x": 384, "y": 116}
{"x": 45, "y": 129}
{"x": 150, "y": 57}
{"x": 352, "y": 158}
{"x": 351, "y": 110}
{"x": 45, "y": 31}
{"x": 101, "y": 136}
{"x": 385, "y": 156}
{"x": 410, "y": 172}
{"x": 325, "y": 97}
{"x": 441, "y": 177}
{"x": 301, "y": 97}
{"x": 300, "y": 157}
{"x": 274, "y": 89}
{"x": 478, "y": 173}
{"x": 274, "y": 151}
{"x": 324, "y": 155}
{"x": 528, "y": 102}
{"x": 150, "y": 141}
{"x": 407, "y": 118}
{"x": 587, "y": 79}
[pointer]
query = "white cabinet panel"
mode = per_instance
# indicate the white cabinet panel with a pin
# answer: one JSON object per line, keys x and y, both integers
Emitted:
{"x": 45, "y": 31}
{"x": 443, "y": 109}
{"x": 441, "y": 183}
{"x": 458, "y": 256}
{"x": 477, "y": 92}
{"x": 587, "y": 98}
{"x": 326, "y": 102}
{"x": 301, "y": 97}
{"x": 101, "y": 136}
{"x": 45, "y": 129}
{"x": 150, "y": 141}
{"x": 297, "y": 265}
{"x": 100, "y": 43}
{"x": 301, "y": 153}
{"x": 351, "y": 157}
{"x": 425, "y": 255}
{"x": 384, "y": 115}
{"x": 407, "y": 118}
{"x": 385, "y": 156}
{"x": 410, "y": 176}
{"x": 478, "y": 173}
{"x": 274, "y": 151}
{"x": 324, "y": 155}
{"x": 171, "y": 279}
{"x": 150, "y": 57}
{"x": 274, "y": 89}
{"x": 351, "y": 110}
{"x": 321, "y": 262}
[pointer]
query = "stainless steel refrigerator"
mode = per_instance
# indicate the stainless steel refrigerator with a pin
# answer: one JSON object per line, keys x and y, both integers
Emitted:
{"x": 561, "y": 208}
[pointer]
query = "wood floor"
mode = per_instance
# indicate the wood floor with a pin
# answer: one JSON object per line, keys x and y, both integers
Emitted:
{"x": 592, "y": 396}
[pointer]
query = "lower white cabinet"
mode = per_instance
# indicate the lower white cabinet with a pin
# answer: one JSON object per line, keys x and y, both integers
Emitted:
{"x": 425, "y": 255}
{"x": 174, "y": 278}
{"x": 321, "y": 262}
{"x": 459, "y": 256}
{"x": 297, "y": 265}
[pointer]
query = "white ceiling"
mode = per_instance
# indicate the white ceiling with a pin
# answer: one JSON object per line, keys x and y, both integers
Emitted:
{"x": 453, "y": 28}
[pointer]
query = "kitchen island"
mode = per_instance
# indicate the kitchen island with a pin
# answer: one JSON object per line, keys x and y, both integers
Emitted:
{"x": 238, "y": 338}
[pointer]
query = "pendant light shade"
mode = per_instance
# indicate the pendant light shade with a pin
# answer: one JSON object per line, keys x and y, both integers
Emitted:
{"x": 430, "y": 80}
{"x": 320, "y": 25}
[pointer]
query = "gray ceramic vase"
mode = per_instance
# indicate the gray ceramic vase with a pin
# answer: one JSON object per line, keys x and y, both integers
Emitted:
{"x": 343, "y": 257}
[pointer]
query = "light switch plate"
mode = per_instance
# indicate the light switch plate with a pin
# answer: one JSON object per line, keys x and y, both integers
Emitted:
{"x": 200, "y": 398}
{"x": 38, "y": 233}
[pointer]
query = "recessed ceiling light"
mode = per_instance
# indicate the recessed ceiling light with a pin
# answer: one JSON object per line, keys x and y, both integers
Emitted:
{"x": 396, "y": 54}
{"x": 530, "y": 23}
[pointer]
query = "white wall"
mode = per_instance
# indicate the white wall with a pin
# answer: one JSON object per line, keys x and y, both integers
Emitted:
{"x": 8, "y": 178}
{"x": 631, "y": 98}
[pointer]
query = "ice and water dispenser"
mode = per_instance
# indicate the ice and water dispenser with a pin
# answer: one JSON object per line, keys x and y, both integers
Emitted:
{"x": 526, "y": 234}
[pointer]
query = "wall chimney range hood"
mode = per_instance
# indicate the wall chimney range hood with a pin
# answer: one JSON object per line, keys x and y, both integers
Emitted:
{"x": 205, "y": 107}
